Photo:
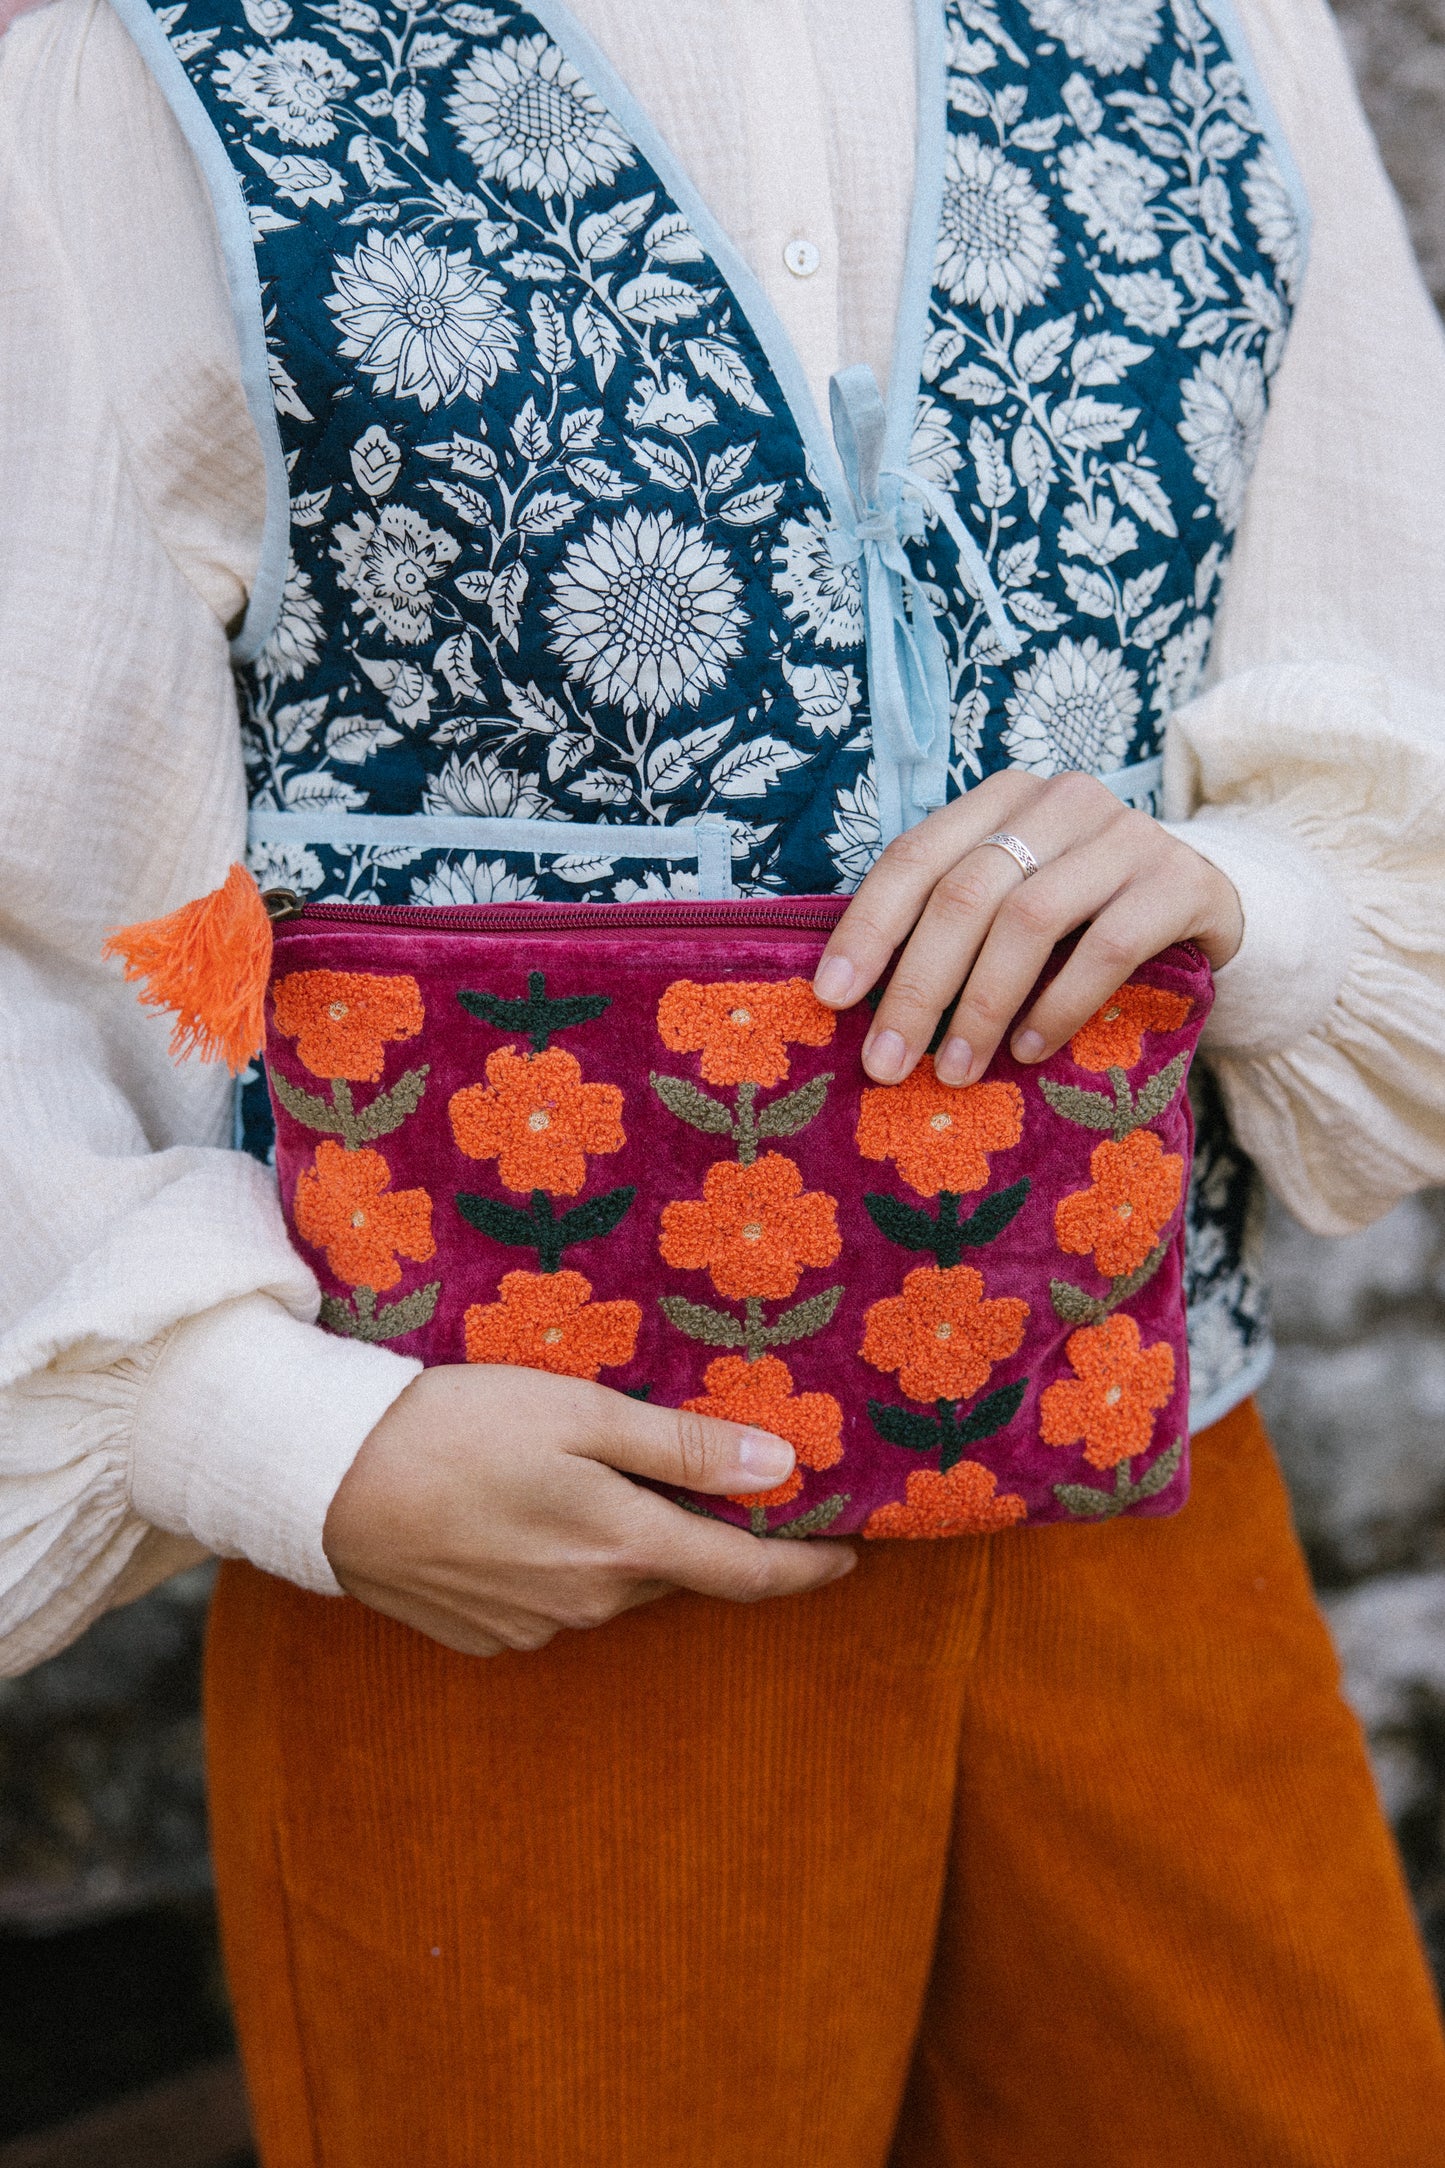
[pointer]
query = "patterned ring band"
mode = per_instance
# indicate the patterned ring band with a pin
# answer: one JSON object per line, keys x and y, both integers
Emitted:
{"x": 1018, "y": 851}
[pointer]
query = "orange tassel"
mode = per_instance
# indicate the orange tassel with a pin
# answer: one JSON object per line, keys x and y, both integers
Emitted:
{"x": 210, "y": 962}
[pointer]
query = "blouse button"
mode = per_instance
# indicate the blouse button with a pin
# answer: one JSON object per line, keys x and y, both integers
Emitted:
{"x": 802, "y": 258}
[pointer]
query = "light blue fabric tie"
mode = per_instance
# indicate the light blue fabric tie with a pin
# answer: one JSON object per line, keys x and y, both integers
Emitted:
{"x": 907, "y": 667}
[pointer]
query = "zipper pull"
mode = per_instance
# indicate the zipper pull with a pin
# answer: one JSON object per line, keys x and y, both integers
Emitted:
{"x": 281, "y": 904}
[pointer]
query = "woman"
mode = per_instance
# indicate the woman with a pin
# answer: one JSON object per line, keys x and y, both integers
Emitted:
{"x": 1059, "y": 1846}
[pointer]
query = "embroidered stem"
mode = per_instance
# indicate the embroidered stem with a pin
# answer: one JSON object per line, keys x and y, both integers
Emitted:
{"x": 539, "y": 1228}
{"x": 1085, "y": 1502}
{"x": 360, "y": 1319}
{"x": 537, "y": 1017}
{"x": 946, "y": 1432}
{"x": 746, "y": 1131}
{"x": 945, "y": 1234}
{"x": 755, "y": 1332}
{"x": 1075, "y": 1307}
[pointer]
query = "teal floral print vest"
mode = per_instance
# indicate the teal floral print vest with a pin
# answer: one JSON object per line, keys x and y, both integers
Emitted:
{"x": 568, "y": 590}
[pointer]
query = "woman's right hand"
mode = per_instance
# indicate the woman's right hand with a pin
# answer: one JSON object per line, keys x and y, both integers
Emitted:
{"x": 486, "y": 1509}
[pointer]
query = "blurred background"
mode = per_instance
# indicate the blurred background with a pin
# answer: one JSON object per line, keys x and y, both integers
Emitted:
{"x": 114, "y": 2038}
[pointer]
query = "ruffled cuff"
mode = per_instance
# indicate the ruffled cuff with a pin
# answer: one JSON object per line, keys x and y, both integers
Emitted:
{"x": 246, "y": 1424}
{"x": 1286, "y": 975}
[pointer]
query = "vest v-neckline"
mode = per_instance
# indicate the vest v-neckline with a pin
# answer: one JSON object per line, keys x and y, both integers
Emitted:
{"x": 911, "y": 327}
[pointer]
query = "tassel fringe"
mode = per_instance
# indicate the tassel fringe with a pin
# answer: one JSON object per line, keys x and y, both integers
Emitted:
{"x": 210, "y": 962}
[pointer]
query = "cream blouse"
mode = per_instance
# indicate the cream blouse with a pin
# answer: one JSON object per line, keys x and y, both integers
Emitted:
{"x": 163, "y": 1387}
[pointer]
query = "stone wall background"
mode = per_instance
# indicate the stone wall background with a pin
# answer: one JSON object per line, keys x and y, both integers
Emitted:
{"x": 101, "y": 1795}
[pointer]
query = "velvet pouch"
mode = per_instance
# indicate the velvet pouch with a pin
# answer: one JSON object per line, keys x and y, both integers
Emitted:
{"x": 627, "y": 1143}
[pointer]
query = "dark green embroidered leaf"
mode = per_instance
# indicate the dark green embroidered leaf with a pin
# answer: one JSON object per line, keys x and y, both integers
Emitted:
{"x": 637, "y": 1392}
{"x": 941, "y": 1033}
{"x": 994, "y": 1413}
{"x": 817, "y": 1520}
{"x": 536, "y": 1017}
{"x": 901, "y": 1223}
{"x": 1074, "y": 1306}
{"x": 1157, "y": 1094}
{"x": 713, "y": 1327}
{"x": 803, "y": 1319}
{"x": 1086, "y": 1503}
{"x": 503, "y": 1222}
{"x": 786, "y": 1116}
{"x": 993, "y": 1215}
{"x": 900, "y": 1426}
{"x": 597, "y": 1216}
{"x": 389, "y": 1109}
{"x": 1091, "y": 1110}
{"x": 305, "y": 1107}
{"x": 692, "y": 1105}
{"x": 388, "y": 1323}
{"x": 1160, "y": 1476}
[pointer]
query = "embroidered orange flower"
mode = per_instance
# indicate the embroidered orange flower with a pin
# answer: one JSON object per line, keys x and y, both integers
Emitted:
{"x": 346, "y": 1206}
{"x": 1113, "y": 1038}
{"x": 341, "y": 1020}
{"x": 741, "y": 1028}
{"x": 754, "y": 1229}
{"x": 939, "y": 1136}
{"x": 962, "y": 1503}
{"x": 537, "y": 1119}
{"x": 548, "y": 1321}
{"x": 1137, "y": 1185}
{"x": 762, "y": 1393}
{"x": 942, "y": 1335}
{"x": 1111, "y": 1401}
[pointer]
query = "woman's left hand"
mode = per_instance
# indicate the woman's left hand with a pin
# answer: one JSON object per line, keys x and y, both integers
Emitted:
{"x": 972, "y": 920}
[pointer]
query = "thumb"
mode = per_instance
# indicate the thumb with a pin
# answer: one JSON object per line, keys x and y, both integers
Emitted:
{"x": 696, "y": 1452}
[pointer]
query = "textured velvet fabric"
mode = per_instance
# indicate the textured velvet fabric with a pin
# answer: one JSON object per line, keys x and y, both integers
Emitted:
{"x": 639, "y": 1150}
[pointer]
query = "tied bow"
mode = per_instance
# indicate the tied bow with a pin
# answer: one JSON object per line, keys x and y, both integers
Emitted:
{"x": 907, "y": 668}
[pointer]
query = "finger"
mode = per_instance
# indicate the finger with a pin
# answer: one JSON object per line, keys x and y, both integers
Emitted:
{"x": 954, "y": 925}
{"x": 895, "y": 889}
{"x": 713, "y": 1559}
{"x": 1141, "y": 920}
{"x": 673, "y": 1445}
{"x": 1029, "y": 922}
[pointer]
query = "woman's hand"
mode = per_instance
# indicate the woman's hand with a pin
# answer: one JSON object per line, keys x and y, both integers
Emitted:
{"x": 975, "y": 922}
{"x": 486, "y": 1510}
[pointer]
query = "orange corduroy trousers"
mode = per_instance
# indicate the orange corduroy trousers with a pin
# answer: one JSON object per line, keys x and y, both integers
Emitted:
{"x": 1052, "y": 1849}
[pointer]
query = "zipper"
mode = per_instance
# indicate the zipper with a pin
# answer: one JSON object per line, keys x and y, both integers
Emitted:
{"x": 804, "y": 914}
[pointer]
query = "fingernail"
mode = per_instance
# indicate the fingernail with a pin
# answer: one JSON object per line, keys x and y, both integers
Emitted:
{"x": 844, "y": 1565}
{"x": 884, "y": 1056}
{"x": 1028, "y": 1046}
{"x": 764, "y": 1458}
{"x": 833, "y": 980}
{"x": 953, "y": 1061}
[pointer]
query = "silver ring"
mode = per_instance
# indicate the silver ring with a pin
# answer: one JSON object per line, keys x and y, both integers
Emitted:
{"x": 1018, "y": 851}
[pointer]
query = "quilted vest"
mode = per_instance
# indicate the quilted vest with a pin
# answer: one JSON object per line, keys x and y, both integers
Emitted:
{"x": 567, "y": 588}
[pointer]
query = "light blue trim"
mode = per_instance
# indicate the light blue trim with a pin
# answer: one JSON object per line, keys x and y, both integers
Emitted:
{"x": 242, "y": 277}
{"x": 1244, "y": 1382}
{"x": 910, "y": 333}
{"x": 1225, "y": 18}
{"x": 1136, "y": 784}
{"x": 707, "y": 840}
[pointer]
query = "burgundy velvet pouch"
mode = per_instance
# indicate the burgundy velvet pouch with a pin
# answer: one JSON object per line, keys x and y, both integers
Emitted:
{"x": 627, "y": 1143}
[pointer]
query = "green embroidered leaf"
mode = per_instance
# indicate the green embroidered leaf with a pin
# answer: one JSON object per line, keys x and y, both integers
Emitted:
{"x": 900, "y": 1426}
{"x": 389, "y": 1109}
{"x": 597, "y": 1216}
{"x": 536, "y": 1017}
{"x": 306, "y": 1107}
{"x": 388, "y": 1323}
{"x": 692, "y": 1105}
{"x": 503, "y": 1222}
{"x": 1074, "y": 1306}
{"x": 901, "y": 1223}
{"x": 1123, "y": 1290}
{"x": 713, "y": 1327}
{"x": 994, "y": 1413}
{"x": 993, "y": 1215}
{"x": 758, "y": 1521}
{"x": 803, "y": 1319}
{"x": 941, "y": 1032}
{"x": 690, "y": 1505}
{"x": 1157, "y": 1094}
{"x": 1160, "y": 1476}
{"x": 817, "y": 1520}
{"x": 786, "y": 1116}
{"x": 1091, "y": 1110}
{"x": 1086, "y": 1503}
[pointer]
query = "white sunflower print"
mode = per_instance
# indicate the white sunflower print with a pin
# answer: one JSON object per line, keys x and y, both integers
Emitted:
{"x": 291, "y": 89}
{"x": 472, "y": 880}
{"x": 1113, "y": 188}
{"x": 424, "y": 323}
{"x": 478, "y": 783}
{"x": 526, "y": 118}
{"x": 389, "y": 564}
{"x": 996, "y": 240}
{"x": 819, "y": 589}
{"x": 646, "y": 612}
{"x": 1075, "y": 707}
{"x": 1220, "y": 424}
{"x": 1109, "y": 35}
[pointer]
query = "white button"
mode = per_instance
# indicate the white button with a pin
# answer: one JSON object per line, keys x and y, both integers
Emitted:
{"x": 802, "y": 258}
